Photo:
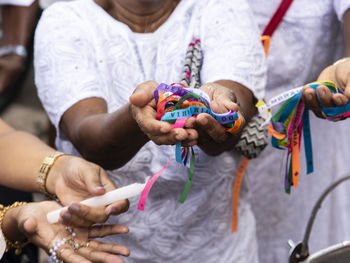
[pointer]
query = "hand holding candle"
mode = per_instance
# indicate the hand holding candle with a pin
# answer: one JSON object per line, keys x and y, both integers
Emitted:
{"x": 103, "y": 200}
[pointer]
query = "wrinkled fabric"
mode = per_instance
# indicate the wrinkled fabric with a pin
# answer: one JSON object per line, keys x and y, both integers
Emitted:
{"x": 82, "y": 52}
{"x": 308, "y": 39}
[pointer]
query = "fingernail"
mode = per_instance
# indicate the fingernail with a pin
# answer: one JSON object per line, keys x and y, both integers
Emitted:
{"x": 321, "y": 93}
{"x": 204, "y": 121}
{"x": 98, "y": 188}
{"x": 309, "y": 97}
{"x": 74, "y": 208}
{"x": 66, "y": 216}
{"x": 339, "y": 101}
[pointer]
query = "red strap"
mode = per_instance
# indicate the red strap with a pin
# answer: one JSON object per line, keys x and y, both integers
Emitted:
{"x": 277, "y": 17}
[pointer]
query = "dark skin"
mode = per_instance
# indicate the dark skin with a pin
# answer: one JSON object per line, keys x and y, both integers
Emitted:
{"x": 18, "y": 26}
{"x": 112, "y": 139}
{"x": 339, "y": 74}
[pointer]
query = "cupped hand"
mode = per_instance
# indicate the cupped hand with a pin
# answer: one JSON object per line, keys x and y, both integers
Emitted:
{"x": 339, "y": 74}
{"x": 73, "y": 179}
{"x": 213, "y": 139}
{"x": 144, "y": 112}
{"x": 32, "y": 222}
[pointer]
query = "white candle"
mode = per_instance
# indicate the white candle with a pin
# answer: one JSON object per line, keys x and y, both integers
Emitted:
{"x": 103, "y": 200}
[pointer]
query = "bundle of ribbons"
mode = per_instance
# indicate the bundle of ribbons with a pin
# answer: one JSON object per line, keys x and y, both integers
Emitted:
{"x": 175, "y": 104}
{"x": 292, "y": 121}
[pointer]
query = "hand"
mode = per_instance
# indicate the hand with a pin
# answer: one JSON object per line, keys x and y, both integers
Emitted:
{"x": 144, "y": 112}
{"x": 213, "y": 139}
{"x": 73, "y": 179}
{"x": 339, "y": 75}
{"x": 32, "y": 223}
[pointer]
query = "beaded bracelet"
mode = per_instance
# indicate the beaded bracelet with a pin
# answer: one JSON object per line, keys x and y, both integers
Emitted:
{"x": 17, "y": 245}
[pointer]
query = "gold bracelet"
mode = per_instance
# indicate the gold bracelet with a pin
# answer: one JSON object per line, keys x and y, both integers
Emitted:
{"x": 341, "y": 61}
{"x": 17, "y": 245}
{"x": 44, "y": 170}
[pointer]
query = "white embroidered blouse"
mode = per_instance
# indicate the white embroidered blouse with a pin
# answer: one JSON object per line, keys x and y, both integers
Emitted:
{"x": 82, "y": 52}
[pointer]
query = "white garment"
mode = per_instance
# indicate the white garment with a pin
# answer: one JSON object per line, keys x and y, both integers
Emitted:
{"x": 46, "y": 3}
{"x": 17, "y": 2}
{"x": 2, "y": 244}
{"x": 82, "y": 52}
{"x": 308, "y": 39}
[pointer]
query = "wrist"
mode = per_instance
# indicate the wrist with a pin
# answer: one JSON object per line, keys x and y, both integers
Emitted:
{"x": 44, "y": 172}
{"x": 140, "y": 135}
{"x": 9, "y": 223}
{"x": 55, "y": 173}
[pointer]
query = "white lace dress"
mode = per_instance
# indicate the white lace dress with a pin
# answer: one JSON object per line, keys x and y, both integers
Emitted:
{"x": 307, "y": 40}
{"x": 81, "y": 52}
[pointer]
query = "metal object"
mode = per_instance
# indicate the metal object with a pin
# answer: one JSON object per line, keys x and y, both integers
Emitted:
{"x": 339, "y": 253}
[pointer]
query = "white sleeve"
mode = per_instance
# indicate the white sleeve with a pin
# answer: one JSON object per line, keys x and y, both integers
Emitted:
{"x": 340, "y": 7}
{"x": 17, "y": 2}
{"x": 64, "y": 62}
{"x": 231, "y": 44}
{"x": 2, "y": 244}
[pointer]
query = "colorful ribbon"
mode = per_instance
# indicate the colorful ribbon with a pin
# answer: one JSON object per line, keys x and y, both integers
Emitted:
{"x": 175, "y": 104}
{"x": 291, "y": 122}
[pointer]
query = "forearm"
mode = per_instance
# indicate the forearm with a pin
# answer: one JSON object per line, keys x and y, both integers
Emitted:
{"x": 19, "y": 23}
{"x": 20, "y": 158}
{"x": 245, "y": 98}
{"x": 108, "y": 139}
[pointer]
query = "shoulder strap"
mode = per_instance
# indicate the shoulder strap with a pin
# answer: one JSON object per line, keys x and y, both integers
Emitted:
{"x": 274, "y": 22}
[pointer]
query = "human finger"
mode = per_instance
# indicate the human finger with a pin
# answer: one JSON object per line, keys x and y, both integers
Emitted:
{"x": 143, "y": 93}
{"x": 29, "y": 226}
{"x": 174, "y": 136}
{"x": 97, "y": 256}
{"x": 105, "y": 230}
{"x": 339, "y": 99}
{"x": 212, "y": 127}
{"x": 87, "y": 213}
{"x": 325, "y": 96}
{"x": 310, "y": 99}
{"x": 67, "y": 217}
{"x": 150, "y": 125}
{"x": 92, "y": 179}
{"x": 190, "y": 123}
{"x": 192, "y": 138}
{"x": 108, "y": 248}
{"x": 223, "y": 104}
{"x": 118, "y": 207}
{"x": 68, "y": 255}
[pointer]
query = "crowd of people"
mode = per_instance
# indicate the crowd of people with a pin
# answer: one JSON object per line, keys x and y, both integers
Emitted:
{"x": 97, "y": 64}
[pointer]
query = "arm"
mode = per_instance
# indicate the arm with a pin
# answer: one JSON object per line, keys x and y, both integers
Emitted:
{"x": 70, "y": 178}
{"x": 112, "y": 139}
{"x": 18, "y": 26}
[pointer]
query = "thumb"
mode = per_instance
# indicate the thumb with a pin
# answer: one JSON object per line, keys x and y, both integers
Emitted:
{"x": 30, "y": 225}
{"x": 143, "y": 94}
{"x": 93, "y": 181}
